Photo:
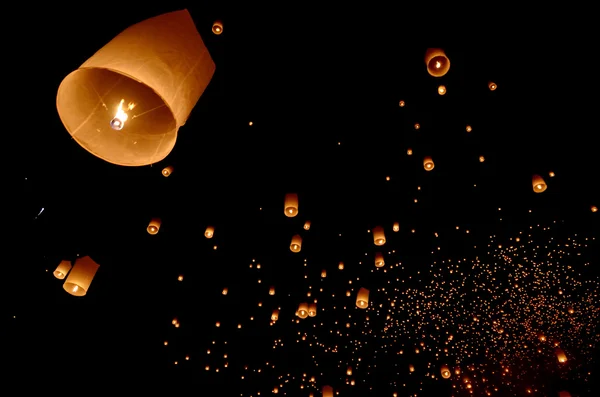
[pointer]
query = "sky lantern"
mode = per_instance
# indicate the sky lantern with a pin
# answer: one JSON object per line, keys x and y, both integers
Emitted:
{"x": 437, "y": 62}
{"x": 291, "y": 206}
{"x": 153, "y": 226}
{"x": 126, "y": 103}
{"x": 62, "y": 269}
{"x": 81, "y": 276}
{"x": 378, "y": 235}
{"x": 538, "y": 183}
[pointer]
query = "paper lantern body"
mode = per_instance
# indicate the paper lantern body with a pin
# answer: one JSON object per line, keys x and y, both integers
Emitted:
{"x": 81, "y": 276}
{"x": 62, "y": 269}
{"x": 154, "y": 72}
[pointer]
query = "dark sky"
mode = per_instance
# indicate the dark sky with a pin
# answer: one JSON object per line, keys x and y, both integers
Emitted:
{"x": 322, "y": 93}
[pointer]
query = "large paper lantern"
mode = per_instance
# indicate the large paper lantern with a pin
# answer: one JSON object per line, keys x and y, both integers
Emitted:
{"x": 379, "y": 261}
{"x": 445, "y": 371}
{"x": 327, "y": 391}
{"x": 378, "y": 235}
{"x": 428, "y": 163}
{"x": 153, "y": 226}
{"x": 126, "y": 103}
{"x": 296, "y": 244}
{"x": 81, "y": 276}
{"x": 362, "y": 298}
{"x": 291, "y": 205}
{"x": 437, "y": 62}
{"x": 62, "y": 269}
{"x": 538, "y": 183}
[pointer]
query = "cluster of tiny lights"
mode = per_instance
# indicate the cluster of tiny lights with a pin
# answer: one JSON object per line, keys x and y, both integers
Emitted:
{"x": 489, "y": 324}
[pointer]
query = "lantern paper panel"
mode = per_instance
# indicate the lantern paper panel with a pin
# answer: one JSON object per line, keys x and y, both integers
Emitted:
{"x": 81, "y": 276}
{"x": 62, "y": 269}
{"x": 126, "y": 103}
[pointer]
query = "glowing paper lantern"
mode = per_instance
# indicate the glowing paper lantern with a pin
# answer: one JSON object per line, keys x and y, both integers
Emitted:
{"x": 153, "y": 226}
{"x": 396, "y": 227}
{"x": 217, "y": 27}
{"x": 362, "y": 298}
{"x": 81, "y": 276}
{"x": 492, "y": 86}
{"x": 442, "y": 90}
{"x": 378, "y": 235}
{"x": 291, "y": 205}
{"x": 327, "y": 391}
{"x": 538, "y": 183}
{"x": 561, "y": 356}
{"x": 307, "y": 225}
{"x": 564, "y": 394}
{"x": 209, "y": 232}
{"x": 275, "y": 315}
{"x": 445, "y": 372}
{"x": 428, "y": 163}
{"x": 312, "y": 310}
{"x": 271, "y": 291}
{"x": 302, "y": 310}
{"x": 437, "y": 62}
{"x": 167, "y": 171}
{"x": 62, "y": 269}
{"x": 126, "y": 103}
{"x": 296, "y": 244}
{"x": 379, "y": 262}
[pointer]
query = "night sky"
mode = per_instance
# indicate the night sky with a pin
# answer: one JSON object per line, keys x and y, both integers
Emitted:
{"x": 484, "y": 275}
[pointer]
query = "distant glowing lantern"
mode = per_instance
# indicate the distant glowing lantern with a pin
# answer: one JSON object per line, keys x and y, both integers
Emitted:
{"x": 167, "y": 171}
{"x": 551, "y": 174}
{"x": 275, "y": 315}
{"x": 307, "y": 225}
{"x": 564, "y": 394}
{"x": 469, "y": 128}
{"x": 312, "y": 310}
{"x": 323, "y": 273}
{"x": 445, "y": 372}
{"x": 593, "y": 208}
{"x": 209, "y": 232}
{"x": 349, "y": 371}
{"x": 442, "y": 90}
{"x": 437, "y": 62}
{"x": 81, "y": 276}
{"x": 272, "y": 291}
{"x": 539, "y": 185}
{"x": 561, "y": 356}
{"x": 378, "y": 235}
{"x": 217, "y": 27}
{"x": 409, "y": 151}
{"x": 492, "y": 86}
{"x": 402, "y": 103}
{"x": 291, "y": 205}
{"x": 62, "y": 269}
{"x": 362, "y": 298}
{"x": 153, "y": 226}
{"x": 396, "y": 227}
{"x": 542, "y": 337}
{"x": 417, "y": 126}
{"x": 411, "y": 368}
{"x": 225, "y": 291}
{"x": 126, "y": 103}
{"x": 296, "y": 244}
{"x": 327, "y": 391}
{"x": 302, "y": 310}
{"x": 341, "y": 265}
{"x": 379, "y": 262}
{"x": 428, "y": 163}
{"x": 481, "y": 159}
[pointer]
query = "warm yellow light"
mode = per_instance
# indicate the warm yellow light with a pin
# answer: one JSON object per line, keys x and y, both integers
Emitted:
{"x": 217, "y": 27}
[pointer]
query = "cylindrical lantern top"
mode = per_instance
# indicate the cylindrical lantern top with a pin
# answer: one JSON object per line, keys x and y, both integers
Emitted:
{"x": 445, "y": 372}
{"x": 538, "y": 183}
{"x": 307, "y": 225}
{"x": 153, "y": 226}
{"x": 396, "y": 227}
{"x": 379, "y": 261}
{"x": 217, "y": 27}
{"x": 81, "y": 276}
{"x": 126, "y": 103}
{"x": 291, "y": 205}
{"x": 362, "y": 298}
{"x": 209, "y": 232}
{"x": 437, "y": 62}
{"x": 378, "y": 235}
